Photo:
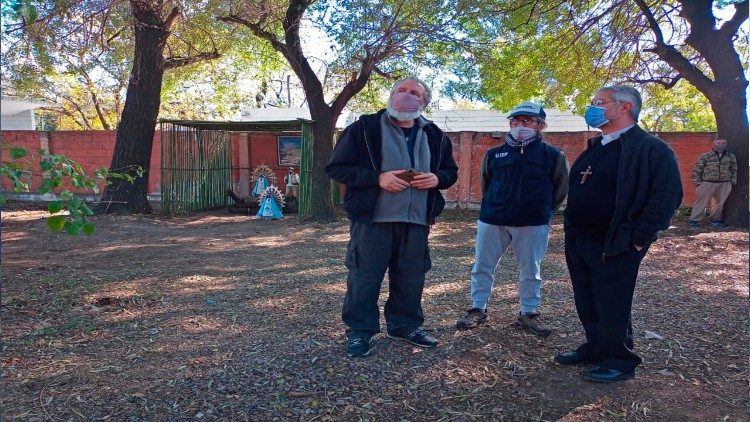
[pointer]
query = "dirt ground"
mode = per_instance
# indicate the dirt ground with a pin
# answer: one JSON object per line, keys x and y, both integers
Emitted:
{"x": 220, "y": 316}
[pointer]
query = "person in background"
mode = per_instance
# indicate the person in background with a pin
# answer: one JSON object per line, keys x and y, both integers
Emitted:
{"x": 292, "y": 183}
{"x": 714, "y": 174}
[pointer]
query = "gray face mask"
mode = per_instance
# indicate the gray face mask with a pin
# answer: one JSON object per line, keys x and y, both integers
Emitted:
{"x": 522, "y": 133}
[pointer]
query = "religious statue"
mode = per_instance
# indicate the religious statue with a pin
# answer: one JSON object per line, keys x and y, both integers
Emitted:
{"x": 292, "y": 183}
{"x": 271, "y": 202}
{"x": 262, "y": 178}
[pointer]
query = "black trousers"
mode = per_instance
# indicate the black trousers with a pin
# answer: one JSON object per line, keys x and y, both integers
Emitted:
{"x": 401, "y": 248}
{"x": 603, "y": 290}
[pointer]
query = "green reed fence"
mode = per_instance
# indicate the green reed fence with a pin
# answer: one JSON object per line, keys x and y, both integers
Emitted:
{"x": 195, "y": 168}
{"x": 196, "y": 161}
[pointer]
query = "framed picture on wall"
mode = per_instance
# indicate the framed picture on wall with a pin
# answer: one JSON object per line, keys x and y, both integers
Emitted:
{"x": 290, "y": 150}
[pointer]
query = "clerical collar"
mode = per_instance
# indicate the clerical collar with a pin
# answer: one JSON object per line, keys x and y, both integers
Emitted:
{"x": 614, "y": 135}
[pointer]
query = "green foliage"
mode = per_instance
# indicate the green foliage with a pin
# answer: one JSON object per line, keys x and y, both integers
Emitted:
{"x": 419, "y": 34}
{"x": 217, "y": 89}
{"x": 74, "y": 54}
{"x": 560, "y": 53}
{"x": 87, "y": 73}
{"x": 679, "y": 109}
{"x": 54, "y": 170}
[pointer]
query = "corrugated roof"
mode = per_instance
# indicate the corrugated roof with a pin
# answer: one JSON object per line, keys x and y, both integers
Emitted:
{"x": 272, "y": 113}
{"x": 492, "y": 121}
{"x": 288, "y": 125}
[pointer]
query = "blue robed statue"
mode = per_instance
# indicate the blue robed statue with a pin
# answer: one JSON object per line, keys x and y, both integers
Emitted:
{"x": 271, "y": 202}
{"x": 261, "y": 184}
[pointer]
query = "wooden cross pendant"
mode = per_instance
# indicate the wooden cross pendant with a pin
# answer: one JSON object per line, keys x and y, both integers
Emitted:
{"x": 585, "y": 175}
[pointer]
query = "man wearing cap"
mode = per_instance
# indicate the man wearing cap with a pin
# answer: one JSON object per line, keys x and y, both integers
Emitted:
{"x": 714, "y": 174}
{"x": 523, "y": 182}
{"x": 624, "y": 188}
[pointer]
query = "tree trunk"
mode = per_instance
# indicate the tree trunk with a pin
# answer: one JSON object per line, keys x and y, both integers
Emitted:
{"x": 135, "y": 132}
{"x": 732, "y": 124}
{"x": 324, "y": 124}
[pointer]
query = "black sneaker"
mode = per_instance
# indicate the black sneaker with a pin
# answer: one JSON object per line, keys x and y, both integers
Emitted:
{"x": 473, "y": 317}
{"x": 359, "y": 347}
{"x": 417, "y": 338}
{"x": 717, "y": 223}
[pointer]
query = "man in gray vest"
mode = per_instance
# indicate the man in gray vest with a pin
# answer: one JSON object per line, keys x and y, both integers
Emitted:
{"x": 393, "y": 163}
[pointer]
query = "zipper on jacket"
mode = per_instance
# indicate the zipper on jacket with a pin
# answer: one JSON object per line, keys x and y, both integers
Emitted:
{"x": 519, "y": 184}
{"x": 367, "y": 144}
{"x": 437, "y": 167}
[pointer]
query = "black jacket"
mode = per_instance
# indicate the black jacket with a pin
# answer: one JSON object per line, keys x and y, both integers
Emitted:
{"x": 649, "y": 190}
{"x": 357, "y": 159}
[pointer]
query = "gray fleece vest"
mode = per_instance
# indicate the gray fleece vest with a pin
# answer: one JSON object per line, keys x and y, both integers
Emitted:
{"x": 409, "y": 205}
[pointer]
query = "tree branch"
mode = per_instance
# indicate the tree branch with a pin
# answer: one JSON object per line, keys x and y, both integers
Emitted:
{"x": 731, "y": 26}
{"x": 674, "y": 58}
{"x": 651, "y": 22}
{"x": 665, "y": 81}
{"x": 95, "y": 99}
{"x": 256, "y": 29}
{"x": 169, "y": 22}
{"x": 174, "y": 62}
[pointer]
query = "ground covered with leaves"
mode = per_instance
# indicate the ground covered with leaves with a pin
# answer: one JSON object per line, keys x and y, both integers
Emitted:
{"x": 221, "y": 316}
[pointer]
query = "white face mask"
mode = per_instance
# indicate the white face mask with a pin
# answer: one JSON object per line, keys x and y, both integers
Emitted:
{"x": 522, "y": 133}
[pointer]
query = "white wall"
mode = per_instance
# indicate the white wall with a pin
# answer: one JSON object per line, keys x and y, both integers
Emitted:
{"x": 21, "y": 121}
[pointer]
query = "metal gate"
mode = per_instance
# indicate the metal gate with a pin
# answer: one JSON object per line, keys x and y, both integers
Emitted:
{"x": 195, "y": 168}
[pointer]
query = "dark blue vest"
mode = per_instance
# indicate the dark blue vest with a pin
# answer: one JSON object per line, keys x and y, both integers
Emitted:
{"x": 520, "y": 188}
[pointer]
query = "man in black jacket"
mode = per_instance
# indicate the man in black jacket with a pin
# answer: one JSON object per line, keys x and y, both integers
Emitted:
{"x": 623, "y": 189}
{"x": 393, "y": 164}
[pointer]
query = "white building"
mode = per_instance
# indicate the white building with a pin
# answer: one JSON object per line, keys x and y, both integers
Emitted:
{"x": 19, "y": 114}
{"x": 447, "y": 120}
{"x": 494, "y": 121}
{"x": 272, "y": 114}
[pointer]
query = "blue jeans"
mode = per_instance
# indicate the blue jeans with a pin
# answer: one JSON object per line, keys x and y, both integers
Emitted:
{"x": 529, "y": 246}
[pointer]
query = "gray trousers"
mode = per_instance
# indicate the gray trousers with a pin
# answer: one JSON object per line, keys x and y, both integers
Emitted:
{"x": 529, "y": 246}
{"x": 400, "y": 248}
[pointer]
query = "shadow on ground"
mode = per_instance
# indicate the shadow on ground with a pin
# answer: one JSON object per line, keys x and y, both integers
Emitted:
{"x": 218, "y": 316}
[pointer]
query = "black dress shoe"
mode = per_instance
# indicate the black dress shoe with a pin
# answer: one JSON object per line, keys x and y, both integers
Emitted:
{"x": 602, "y": 374}
{"x": 573, "y": 358}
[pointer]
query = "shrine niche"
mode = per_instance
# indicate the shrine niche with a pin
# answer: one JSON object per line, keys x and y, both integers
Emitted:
{"x": 206, "y": 164}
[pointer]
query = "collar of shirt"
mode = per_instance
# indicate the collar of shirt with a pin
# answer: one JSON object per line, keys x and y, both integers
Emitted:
{"x": 614, "y": 135}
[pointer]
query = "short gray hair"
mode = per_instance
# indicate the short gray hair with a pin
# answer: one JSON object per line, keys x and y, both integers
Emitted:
{"x": 427, "y": 90}
{"x": 626, "y": 94}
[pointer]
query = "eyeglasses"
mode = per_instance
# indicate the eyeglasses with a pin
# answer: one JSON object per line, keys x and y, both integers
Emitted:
{"x": 523, "y": 120}
{"x": 600, "y": 102}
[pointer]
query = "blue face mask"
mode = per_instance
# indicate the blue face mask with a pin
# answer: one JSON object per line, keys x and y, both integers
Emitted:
{"x": 594, "y": 116}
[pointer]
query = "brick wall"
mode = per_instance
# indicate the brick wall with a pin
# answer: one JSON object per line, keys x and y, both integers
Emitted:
{"x": 469, "y": 149}
{"x": 93, "y": 149}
